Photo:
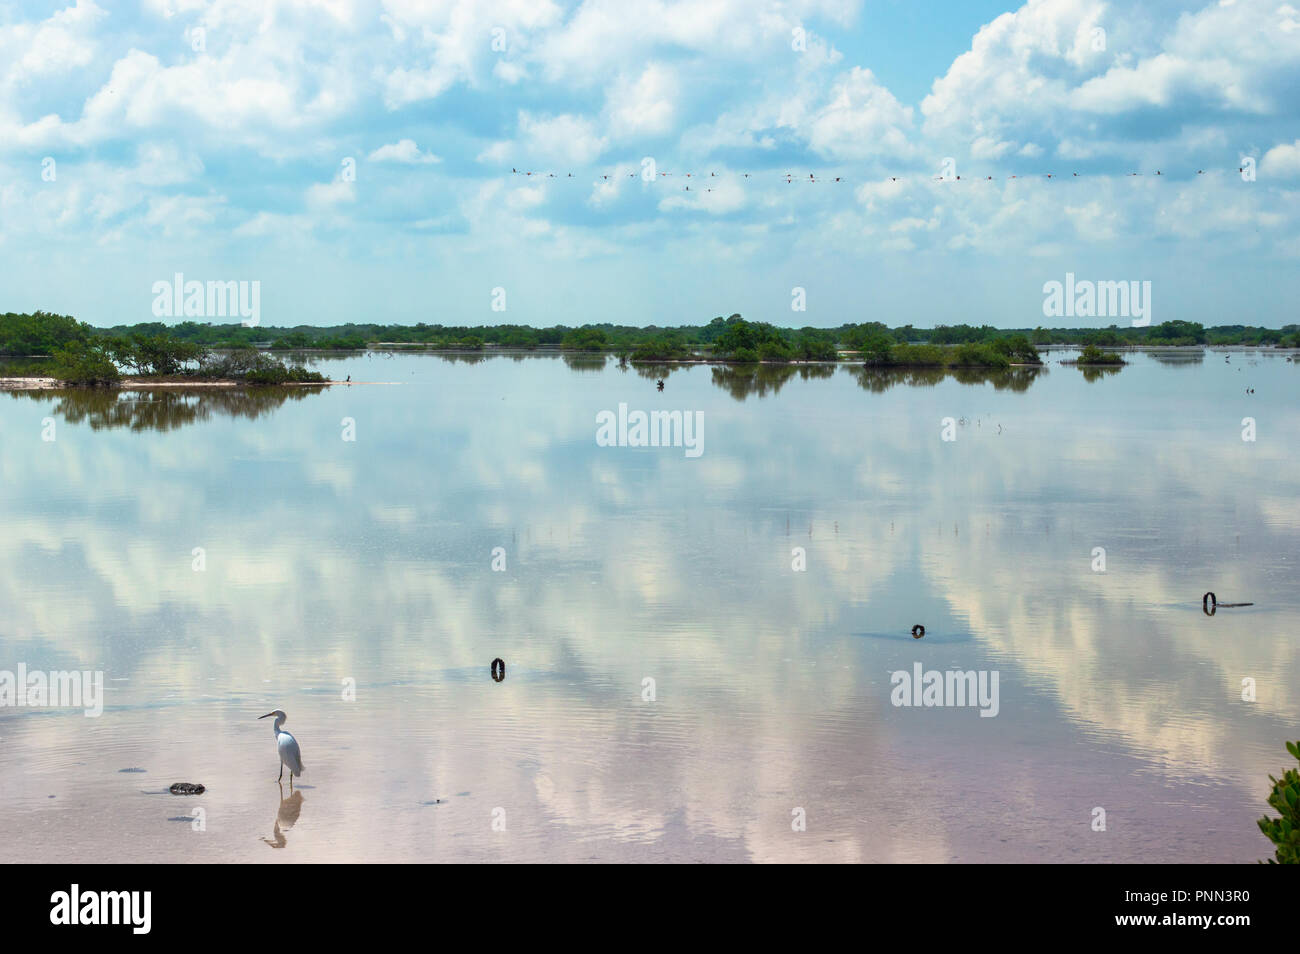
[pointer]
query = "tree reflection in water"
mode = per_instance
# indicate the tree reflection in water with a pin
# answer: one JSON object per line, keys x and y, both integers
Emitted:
{"x": 878, "y": 380}
{"x": 1095, "y": 372}
{"x": 584, "y": 361}
{"x": 742, "y": 380}
{"x": 164, "y": 409}
{"x": 652, "y": 371}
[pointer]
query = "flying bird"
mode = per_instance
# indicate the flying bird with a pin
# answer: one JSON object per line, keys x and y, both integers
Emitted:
{"x": 286, "y": 745}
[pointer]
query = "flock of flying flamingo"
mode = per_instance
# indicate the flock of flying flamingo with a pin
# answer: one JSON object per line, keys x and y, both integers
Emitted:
{"x": 812, "y": 178}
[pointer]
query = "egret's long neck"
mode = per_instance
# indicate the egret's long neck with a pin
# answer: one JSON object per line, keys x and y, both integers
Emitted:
{"x": 275, "y": 729}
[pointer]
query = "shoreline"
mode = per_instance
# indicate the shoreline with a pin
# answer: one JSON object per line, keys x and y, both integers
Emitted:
{"x": 37, "y": 383}
{"x": 847, "y": 358}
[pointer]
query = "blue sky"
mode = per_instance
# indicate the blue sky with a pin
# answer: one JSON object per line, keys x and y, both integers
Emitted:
{"x": 354, "y": 158}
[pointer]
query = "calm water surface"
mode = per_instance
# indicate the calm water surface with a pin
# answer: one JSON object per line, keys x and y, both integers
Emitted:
{"x": 372, "y": 560}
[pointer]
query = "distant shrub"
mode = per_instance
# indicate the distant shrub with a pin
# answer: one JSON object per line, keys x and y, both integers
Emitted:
{"x": 659, "y": 348}
{"x": 1019, "y": 349}
{"x": 775, "y": 349}
{"x": 813, "y": 349}
{"x": 585, "y": 339}
{"x": 918, "y": 355}
{"x": 1091, "y": 354}
{"x": 79, "y": 363}
{"x": 40, "y": 333}
{"x": 284, "y": 374}
{"x": 745, "y": 341}
{"x": 1177, "y": 333}
{"x": 978, "y": 355}
{"x": 255, "y": 367}
{"x": 345, "y": 343}
{"x": 876, "y": 349}
{"x": 1107, "y": 337}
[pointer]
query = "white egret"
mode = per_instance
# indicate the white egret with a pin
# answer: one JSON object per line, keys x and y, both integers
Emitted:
{"x": 287, "y": 746}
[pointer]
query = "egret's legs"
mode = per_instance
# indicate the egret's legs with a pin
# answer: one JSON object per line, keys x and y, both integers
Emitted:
{"x": 281, "y": 778}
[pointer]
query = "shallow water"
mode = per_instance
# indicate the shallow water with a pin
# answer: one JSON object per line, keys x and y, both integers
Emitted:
{"x": 371, "y": 560}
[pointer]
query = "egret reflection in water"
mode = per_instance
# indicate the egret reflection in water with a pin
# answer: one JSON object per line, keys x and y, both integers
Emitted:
{"x": 286, "y": 817}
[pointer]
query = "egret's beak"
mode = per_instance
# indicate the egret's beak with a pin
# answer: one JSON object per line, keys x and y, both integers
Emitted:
{"x": 267, "y": 716}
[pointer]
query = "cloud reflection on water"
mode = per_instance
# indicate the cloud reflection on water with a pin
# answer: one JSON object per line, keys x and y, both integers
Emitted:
{"x": 371, "y": 560}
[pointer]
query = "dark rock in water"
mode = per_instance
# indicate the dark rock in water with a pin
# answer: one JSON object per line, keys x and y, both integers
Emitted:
{"x": 186, "y": 788}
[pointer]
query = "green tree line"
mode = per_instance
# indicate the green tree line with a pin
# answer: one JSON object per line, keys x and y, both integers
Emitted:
{"x": 732, "y": 338}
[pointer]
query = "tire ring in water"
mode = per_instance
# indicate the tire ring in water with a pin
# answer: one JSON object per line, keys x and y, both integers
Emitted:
{"x": 498, "y": 669}
{"x": 918, "y": 631}
{"x": 1209, "y": 603}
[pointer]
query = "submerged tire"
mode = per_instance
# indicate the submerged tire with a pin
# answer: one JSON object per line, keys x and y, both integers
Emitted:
{"x": 498, "y": 669}
{"x": 918, "y": 631}
{"x": 1209, "y": 603}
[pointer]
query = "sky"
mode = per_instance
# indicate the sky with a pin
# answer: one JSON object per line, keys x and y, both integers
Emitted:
{"x": 354, "y": 159}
